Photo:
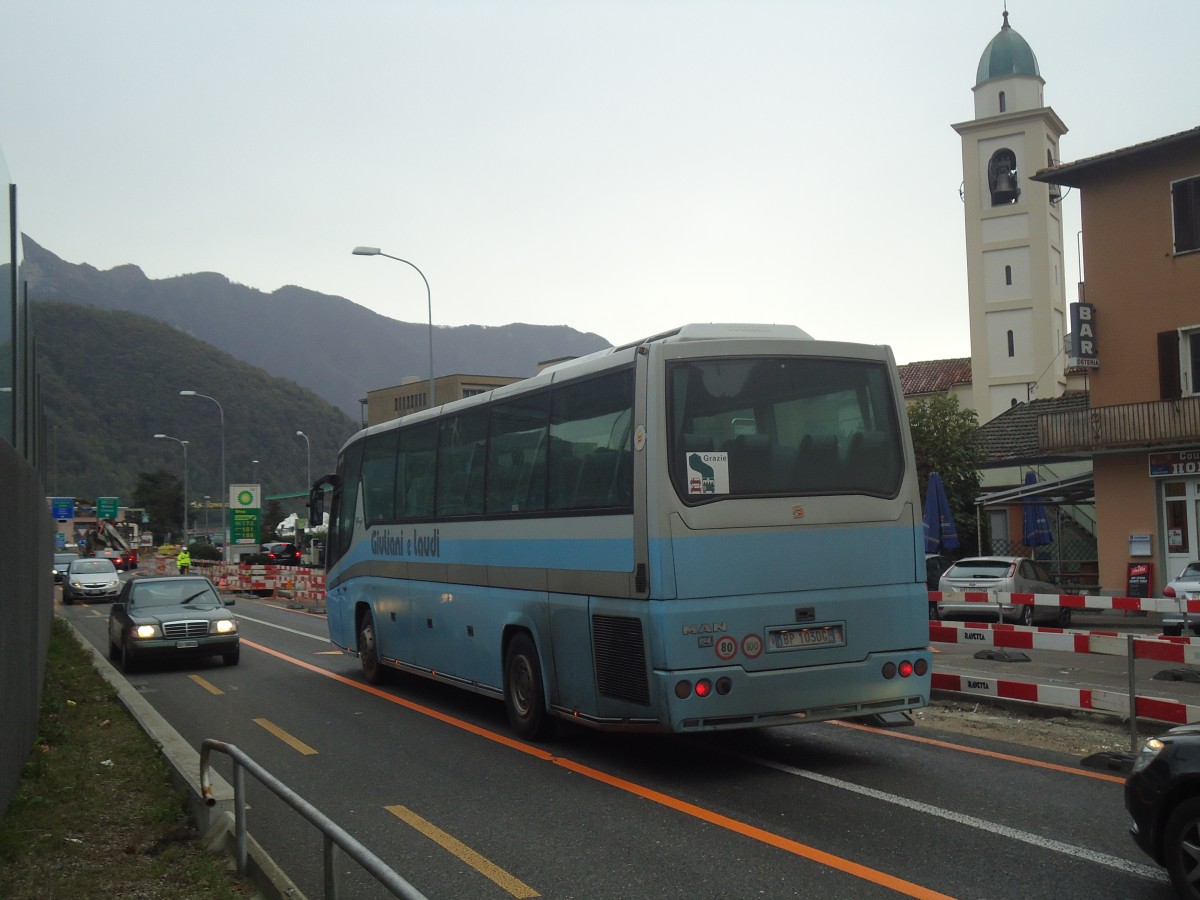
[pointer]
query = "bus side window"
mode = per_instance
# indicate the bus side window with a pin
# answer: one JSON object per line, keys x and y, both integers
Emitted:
{"x": 418, "y": 446}
{"x": 344, "y": 502}
{"x": 379, "y": 477}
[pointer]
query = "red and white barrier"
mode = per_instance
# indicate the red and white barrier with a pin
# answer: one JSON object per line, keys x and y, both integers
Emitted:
{"x": 1071, "y": 601}
{"x": 1093, "y": 700}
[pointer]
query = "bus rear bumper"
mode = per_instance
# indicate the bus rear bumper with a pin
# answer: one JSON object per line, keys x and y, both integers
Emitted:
{"x": 730, "y": 697}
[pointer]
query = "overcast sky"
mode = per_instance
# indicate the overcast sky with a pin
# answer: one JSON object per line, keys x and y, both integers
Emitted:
{"x": 618, "y": 167}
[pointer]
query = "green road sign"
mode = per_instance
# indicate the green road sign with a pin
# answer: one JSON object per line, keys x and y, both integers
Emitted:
{"x": 106, "y": 507}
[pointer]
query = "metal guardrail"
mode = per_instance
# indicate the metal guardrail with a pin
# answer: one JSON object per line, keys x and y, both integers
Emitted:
{"x": 335, "y": 837}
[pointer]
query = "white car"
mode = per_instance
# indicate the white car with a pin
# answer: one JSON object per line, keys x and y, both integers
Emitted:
{"x": 1185, "y": 587}
{"x": 1000, "y": 575}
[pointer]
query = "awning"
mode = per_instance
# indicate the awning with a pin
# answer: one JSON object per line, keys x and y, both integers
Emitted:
{"x": 1064, "y": 491}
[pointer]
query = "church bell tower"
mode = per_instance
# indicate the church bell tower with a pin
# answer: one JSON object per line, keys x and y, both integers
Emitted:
{"x": 1014, "y": 234}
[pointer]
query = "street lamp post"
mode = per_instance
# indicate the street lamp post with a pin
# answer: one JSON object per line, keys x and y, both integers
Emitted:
{"x": 254, "y": 471}
{"x": 224, "y": 487}
{"x": 375, "y": 251}
{"x": 207, "y": 533}
{"x": 308, "y": 468}
{"x": 182, "y": 444}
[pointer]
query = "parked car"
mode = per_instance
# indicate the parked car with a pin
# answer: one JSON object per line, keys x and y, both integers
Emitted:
{"x": 1001, "y": 575}
{"x": 90, "y": 579}
{"x": 935, "y": 565}
{"x": 1185, "y": 587}
{"x": 171, "y": 615}
{"x": 282, "y": 554}
{"x": 61, "y": 561}
{"x": 1165, "y": 809}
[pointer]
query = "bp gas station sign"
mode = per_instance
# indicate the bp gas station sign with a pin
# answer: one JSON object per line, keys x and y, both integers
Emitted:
{"x": 245, "y": 513}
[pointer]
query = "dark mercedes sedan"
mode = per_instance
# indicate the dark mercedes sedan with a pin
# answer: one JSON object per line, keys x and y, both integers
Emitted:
{"x": 171, "y": 616}
{"x": 1163, "y": 796}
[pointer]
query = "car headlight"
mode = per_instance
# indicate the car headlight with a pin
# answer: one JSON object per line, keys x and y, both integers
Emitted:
{"x": 1150, "y": 750}
{"x": 75, "y": 584}
{"x": 224, "y": 626}
{"x": 146, "y": 631}
{"x": 114, "y": 583}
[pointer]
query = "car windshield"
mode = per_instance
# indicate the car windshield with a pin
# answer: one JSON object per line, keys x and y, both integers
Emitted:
{"x": 979, "y": 568}
{"x": 64, "y": 559}
{"x": 92, "y": 567}
{"x": 1191, "y": 572}
{"x": 193, "y": 594}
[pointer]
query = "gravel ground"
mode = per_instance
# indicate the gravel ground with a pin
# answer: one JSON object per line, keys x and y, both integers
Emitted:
{"x": 1075, "y": 733}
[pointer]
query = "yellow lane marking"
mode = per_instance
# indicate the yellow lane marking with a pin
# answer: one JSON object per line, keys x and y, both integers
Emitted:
{"x": 207, "y": 685}
{"x": 481, "y": 864}
{"x": 295, "y": 743}
{"x": 330, "y": 653}
{"x": 899, "y": 885}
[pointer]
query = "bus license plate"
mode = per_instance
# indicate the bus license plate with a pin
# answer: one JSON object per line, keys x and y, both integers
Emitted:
{"x": 187, "y": 645}
{"x": 799, "y": 638}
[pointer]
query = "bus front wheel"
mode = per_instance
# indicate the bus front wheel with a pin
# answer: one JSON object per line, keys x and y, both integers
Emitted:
{"x": 368, "y": 650}
{"x": 523, "y": 694}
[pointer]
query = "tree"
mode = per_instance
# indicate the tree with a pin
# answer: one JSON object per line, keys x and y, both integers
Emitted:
{"x": 946, "y": 440}
{"x": 160, "y": 494}
{"x": 271, "y": 518}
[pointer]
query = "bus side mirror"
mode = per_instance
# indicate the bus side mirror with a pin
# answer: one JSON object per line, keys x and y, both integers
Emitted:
{"x": 316, "y": 499}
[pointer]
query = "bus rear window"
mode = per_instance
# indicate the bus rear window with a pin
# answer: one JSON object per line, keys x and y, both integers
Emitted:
{"x": 782, "y": 426}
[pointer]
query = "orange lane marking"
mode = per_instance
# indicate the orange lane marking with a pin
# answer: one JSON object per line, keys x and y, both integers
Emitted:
{"x": 992, "y": 754}
{"x": 866, "y": 873}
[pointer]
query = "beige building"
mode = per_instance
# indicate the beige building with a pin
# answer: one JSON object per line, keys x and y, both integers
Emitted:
{"x": 1139, "y": 325}
{"x": 1014, "y": 232}
{"x": 412, "y": 394}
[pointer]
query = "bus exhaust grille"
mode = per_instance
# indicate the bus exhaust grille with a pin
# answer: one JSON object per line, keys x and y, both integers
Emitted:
{"x": 620, "y": 658}
{"x": 640, "y": 579}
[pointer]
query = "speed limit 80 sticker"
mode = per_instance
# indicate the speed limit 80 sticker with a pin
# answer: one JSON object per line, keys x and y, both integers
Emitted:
{"x": 726, "y": 647}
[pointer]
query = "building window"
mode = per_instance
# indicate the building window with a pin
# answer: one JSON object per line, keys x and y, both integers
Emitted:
{"x": 1008, "y": 278}
{"x": 1012, "y": 347}
{"x": 1185, "y": 206}
{"x": 1003, "y": 105}
{"x": 1179, "y": 363}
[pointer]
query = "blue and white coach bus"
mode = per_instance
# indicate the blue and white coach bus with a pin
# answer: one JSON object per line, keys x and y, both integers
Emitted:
{"x": 713, "y": 528}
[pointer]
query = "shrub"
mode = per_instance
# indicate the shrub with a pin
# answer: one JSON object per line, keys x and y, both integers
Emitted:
{"x": 204, "y": 550}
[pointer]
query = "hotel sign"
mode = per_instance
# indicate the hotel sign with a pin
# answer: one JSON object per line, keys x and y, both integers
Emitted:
{"x": 1176, "y": 463}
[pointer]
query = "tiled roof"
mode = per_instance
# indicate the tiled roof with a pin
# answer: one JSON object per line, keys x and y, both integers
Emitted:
{"x": 934, "y": 375}
{"x": 1011, "y": 437}
{"x": 1074, "y": 173}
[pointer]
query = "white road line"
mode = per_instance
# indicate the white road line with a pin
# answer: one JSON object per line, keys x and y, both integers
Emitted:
{"x": 1113, "y": 862}
{"x": 324, "y": 639}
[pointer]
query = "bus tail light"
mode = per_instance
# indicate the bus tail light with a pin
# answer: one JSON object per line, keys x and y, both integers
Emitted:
{"x": 703, "y": 687}
{"x": 905, "y": 668}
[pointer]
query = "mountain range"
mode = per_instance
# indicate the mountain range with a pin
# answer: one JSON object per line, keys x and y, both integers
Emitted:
{"x": 115, "y": 348}
{"x": 336, "y": 348}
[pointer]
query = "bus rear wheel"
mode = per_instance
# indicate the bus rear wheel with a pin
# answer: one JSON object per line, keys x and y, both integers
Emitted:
{"x": 524, "y": 696}
{"x": 368, "y": 650}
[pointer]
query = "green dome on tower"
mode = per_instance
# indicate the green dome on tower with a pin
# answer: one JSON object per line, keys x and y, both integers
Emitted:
{"x": 1007, "y": 54}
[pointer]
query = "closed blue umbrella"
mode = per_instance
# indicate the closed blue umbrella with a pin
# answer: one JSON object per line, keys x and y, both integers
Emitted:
{"x": 1034, "y": 524}
{"x": 940, "y": 533}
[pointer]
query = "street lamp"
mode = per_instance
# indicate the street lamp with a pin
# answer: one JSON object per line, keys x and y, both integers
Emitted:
{"x": 254, "y": 471}
{"x": 308, "y": 469}
{"x": 182, "y": 444}
{"x": 375, "y": 251}
{"x": 224, "y": 486}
